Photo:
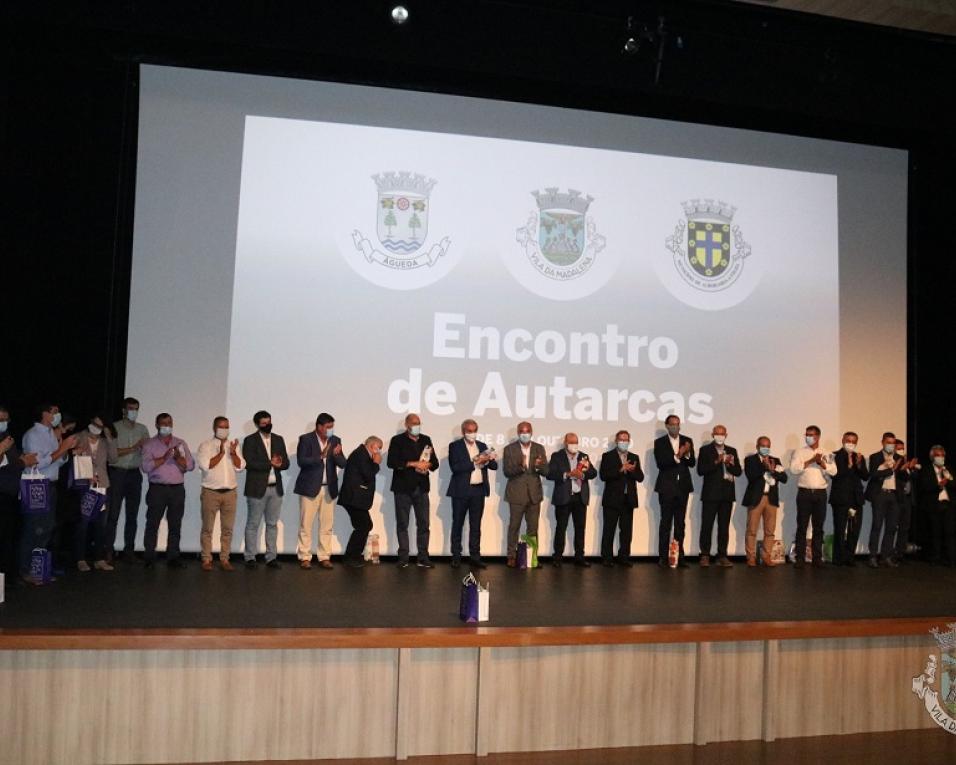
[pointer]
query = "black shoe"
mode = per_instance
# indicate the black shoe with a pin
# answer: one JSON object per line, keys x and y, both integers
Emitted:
{"x": 456, "y": 562}
{"x": 582, "y": 563}
{"x": 176, "y": 563}
{"x": 819, "y": 563}
{"x": 129, "y": 557}
{"x": 251, "y": 564}
{"x": 424, "y": 563}
{"x": 799, "y": 563}
{"x": 607, "y": 563}
{"x": 402, "y": 564}
{"x": 849, "y": 563}
{"x": 663, "y": 563}
{"x": 556, "y": 561}
{"x": 478, "y": 563}
{"x": 872, "y": 562}
{"x": 683, "y": 564}
{"x": 890, "y": 563}
{"x": 149, "y": 563}
{"x": 624, "y": 562}
{"x": 355, "y": 563}
{"x": 274, "y": 563}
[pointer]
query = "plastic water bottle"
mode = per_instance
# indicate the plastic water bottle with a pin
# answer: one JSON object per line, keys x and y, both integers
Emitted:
{"x": 374, "y": 549}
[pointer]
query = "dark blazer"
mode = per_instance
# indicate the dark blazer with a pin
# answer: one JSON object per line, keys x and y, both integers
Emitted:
{"x": 461, "y": 469}
{"x": 560, "y": 464}
{"x": 402, "y": 449}
{"x": 524, "y": 483}
{"x": 928, "y": 489}
{"x": 754, "y": 470}
{"x": 358, "y": 480}
{"x": 879, "y": 474}
{"x": 673, "y": 478}
{"x": 716, "y": 488}
{"x": 258, "y": 465}
{"x": 620, "y": 489}
{"x": 846, "y": 487}
{"x": 11, "y": 472}
{"x": 311, "y": 466}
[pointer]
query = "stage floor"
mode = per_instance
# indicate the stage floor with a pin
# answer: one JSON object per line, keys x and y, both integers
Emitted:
{"x": 384, "y": 596}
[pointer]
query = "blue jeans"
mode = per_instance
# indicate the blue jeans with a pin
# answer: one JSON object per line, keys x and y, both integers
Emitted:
{"x": 472, "y": 509}
{"x": 269, "y": 505}
{"x": 35, "y": 531}
{"x": 404, "y": 503}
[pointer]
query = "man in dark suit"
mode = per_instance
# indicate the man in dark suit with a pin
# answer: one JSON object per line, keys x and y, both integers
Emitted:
{"x": 846, "y": 499}
{"x": 357, "y": 495}
{"x": 525, "y": 464}
{"x": 319, "y": 455}
{"x": 935, "y": 485}
{"x": 882, "y": 493}
{"x": 621, "y": 472}
{"x": 906, "y": 490}
{"x": 720, "y": 466}
{"x": 469, "y": 460}
{"x": 266, "y": 457}
{"x": 674, "y": 456}
{"x": 12, "y": 464}
{"x": 762, "y": 498}
{"x": 571, "y": 470}
{"x": 411, "y": 456}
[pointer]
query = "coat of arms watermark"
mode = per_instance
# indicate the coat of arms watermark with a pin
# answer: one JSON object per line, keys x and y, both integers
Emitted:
{"x": 560, "y": 239}
{"x": 401, "y": 224}
{"x": 940, "y": 704}
{"x": 712, "y": 256}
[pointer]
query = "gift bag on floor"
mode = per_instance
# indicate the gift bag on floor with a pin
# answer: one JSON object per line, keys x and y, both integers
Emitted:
{"x": 484, "y": 602}
{"x": 468, "y": 605}
{"x": 41, "y": 565}
{"x": 35, "y": 493}
{"x": 522, "y": 555}
{"x": 532, "y": 541}
{"x": 92, "y": 501}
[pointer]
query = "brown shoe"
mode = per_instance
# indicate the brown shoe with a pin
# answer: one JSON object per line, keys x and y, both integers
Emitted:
{"x": 704, "y": 561}
{"x": 325, "y": 563}
{"x": 225, "y": 565}
{"x": 511, "y": 562}
{"x": 305, "y": 564}
{"x": 724, "y": 562}
{"x": 752, "y": 562}
{"x": 207, "y": 565}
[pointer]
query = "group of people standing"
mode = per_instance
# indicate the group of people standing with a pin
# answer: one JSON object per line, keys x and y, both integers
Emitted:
{"x": 123, "y": 452}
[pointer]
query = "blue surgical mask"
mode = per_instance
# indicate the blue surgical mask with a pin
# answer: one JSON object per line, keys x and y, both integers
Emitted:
{"x": 132, "y": 414}
{"x": 329, "y": 432}
{"x": 524, "y": 438}
{"x": 57, "y": 419}
{"x": 415, "y": 430}
{"x": 165, "y": 430}
{"x": 623, "y": 445}
{"x": 889, "y": 448}
{"x": 763, "y": 451}
{"x": 3, "y": 426}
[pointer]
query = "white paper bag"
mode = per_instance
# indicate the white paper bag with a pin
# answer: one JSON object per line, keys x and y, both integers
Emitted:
{"x": 484, "y": 601}
{"x": 82, "y": 467}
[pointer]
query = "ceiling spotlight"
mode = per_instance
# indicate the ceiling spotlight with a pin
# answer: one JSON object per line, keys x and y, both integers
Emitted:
{"x": 399, "y": 14}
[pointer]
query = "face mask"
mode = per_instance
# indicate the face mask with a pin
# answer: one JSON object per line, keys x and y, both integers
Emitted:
{"x": 165, "y": 430}
{"x": 572, "y": 448}
{"x": 267, "y": 429}
{"x": 719, "y": 440}
{"x": 763, "y": 451}
{"x": 471, "y": 437}
{"x": 850, "y": 447}
{"x": 415, "y": 430}
{"x": 524, "y": 438}
{"x": 132, "y": 414}
{"x": 889, "y": 448}
{"x": 938, "y": 460}
{"x": 901, "y": 452}
{"x": 3, "y": 426}
{"x": 222, "y": 433}
{"x": 673, "y": 430}
{"x": 329, "y": 432}
{"x": 811, "y": 440}
{"x": 57, "y": 418}
{"x": 94, "y": 431}
{"x": 623, "y": 445}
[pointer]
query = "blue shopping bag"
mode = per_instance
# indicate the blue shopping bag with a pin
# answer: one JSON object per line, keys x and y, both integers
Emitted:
{"x": 35, "y": 493}
{"x": 92, "y": 501}
{"x": 41, "y": 565}
{"x": 468, "y": 605}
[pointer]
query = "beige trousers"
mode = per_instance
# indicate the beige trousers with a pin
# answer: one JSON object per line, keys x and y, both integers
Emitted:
{"x": 324, "y": 505}
{"x": 211, "y": 504}
{"x": 766, "y": 512}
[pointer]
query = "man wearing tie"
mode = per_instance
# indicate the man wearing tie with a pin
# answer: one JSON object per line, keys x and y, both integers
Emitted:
{"x": 936, "y": 489}
{"x": 469, "y": 460}
{"x": 719, "y": 466}
{"x": 621, "y": 472}
{"x": 525, "y": 464}
{"x": 571, "y": 470}
{"x": 811, "y": 465}
{"x": 846, "y": 499}
{"x": 762, "y": 498}
{"x": 674, "y": 455}
{"x": 885, "y": 467}
{"x": 319, "y": 455}
{"x": 266, "y": 457}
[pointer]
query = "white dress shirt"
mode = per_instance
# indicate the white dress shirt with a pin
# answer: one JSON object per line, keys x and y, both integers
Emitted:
{"x": 267, "y": 442}
{"x": 943, "y": 494}
{"x": 526, "y": 454}
{"x": 472, "y": 448}
{"x": 575, "y": 482}
{"x": 675, "y": 445}
{"x": 889, "y": 484}
{"x": 223, "y": 475}
{"x": 812, "y": 476}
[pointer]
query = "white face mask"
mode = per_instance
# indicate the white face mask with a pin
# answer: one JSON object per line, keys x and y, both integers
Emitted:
{"x": 939, "y": 460}
{"x": 719, "y": 440}
{"x": 94, "y": 431}
{"x": 471, "y": 437}
{"x": 222, "y": 433}
{"x": 165, "y": 430}
{"x": 572, "y": 448}
{"x": 811, "y": 441}
{"x": 850, "y": 447}
{"x": 901, "y": 452}
{"x": 3, "y": 426}
{"x": 132, "y": 414}
{"x": 623, "y": 445}
{"x": 524, "y": 438}
{"x": 889, "y": 448}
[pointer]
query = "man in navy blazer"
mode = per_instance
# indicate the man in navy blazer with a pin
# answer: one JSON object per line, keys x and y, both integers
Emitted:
{"x": 674, "y": 455}
{"x": 621, "y": 472}
{"x": 319, "y": 455}
{"x": 469, "y": 460}
{"x": 571, "y": 470}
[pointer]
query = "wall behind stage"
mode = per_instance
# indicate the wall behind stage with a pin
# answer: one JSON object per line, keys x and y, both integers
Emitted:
{"x": 261, "y": 280}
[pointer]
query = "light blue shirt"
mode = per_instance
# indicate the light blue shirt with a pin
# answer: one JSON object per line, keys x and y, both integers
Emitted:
{"x": 41, "y": 440}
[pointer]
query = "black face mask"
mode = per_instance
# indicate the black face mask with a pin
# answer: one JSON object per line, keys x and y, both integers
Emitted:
{"x": 267, "y": 429}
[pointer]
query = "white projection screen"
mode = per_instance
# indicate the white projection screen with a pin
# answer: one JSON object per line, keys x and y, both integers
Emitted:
{"x": 303, "y": 246}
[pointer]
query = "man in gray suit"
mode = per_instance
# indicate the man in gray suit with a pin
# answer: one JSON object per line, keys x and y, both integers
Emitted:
{"x": 525, "y": 464}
